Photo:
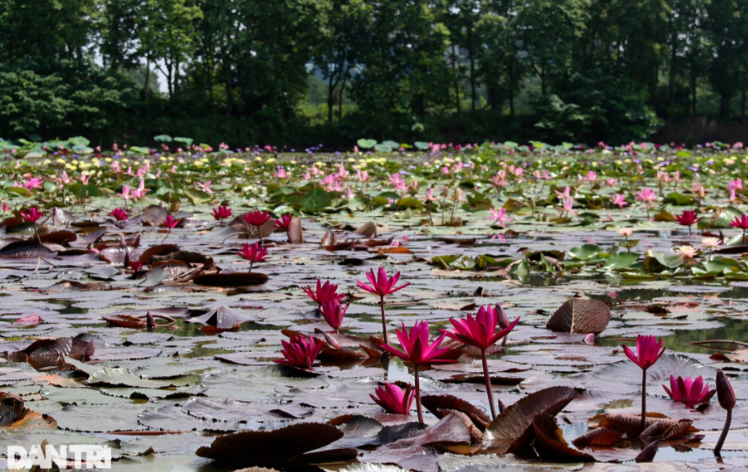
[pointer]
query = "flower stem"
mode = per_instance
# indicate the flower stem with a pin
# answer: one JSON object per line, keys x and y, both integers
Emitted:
{"x": 384, "y": 323}
{"x": 644, "y": 400}
{"x": 489, "y": 390}
{"x": 723, "y": 436}
{"x": 418, "y": 396}
{"x": 36, "y": 233}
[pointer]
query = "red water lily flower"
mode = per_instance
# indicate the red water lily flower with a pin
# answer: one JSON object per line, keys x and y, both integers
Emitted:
{"x": 221, "y": 213}
{"x": 253, "y": 253}
{"x": 32, "y": 215}
{"x": 688, "y": 390}
{"x": 481, "y": 333}
{"x": 687, "y": 218}
{"x": 300, "y": 352}
{"x": 334, "y": 312}
{"x": 324, "y": 293}
{"x": 257, "y": 218}
{"x": 284, "y": 221}
{"x": 648, "y": 350}
{"x": 394, "y": 399}
{"x": 119, "y": 214}
{"x": 170, "y": 222}
{"x": 416, "y": 347}
{"x": 481, "y": 330}
{"x": 740, "y": 222}
{"x": 382, "y": 285}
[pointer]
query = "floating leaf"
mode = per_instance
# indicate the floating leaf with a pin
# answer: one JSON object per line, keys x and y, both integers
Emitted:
{"x": 292, "y": 445}
{"x": 512, "y": 431}
{"x": 550, "y": 443}
{"x": 441, "y": 405}
{"x": 25, "y": 250}
{"x": 580, "y": 316}
{"x": 295, "y": 232}
{"x": 598, "y": 437}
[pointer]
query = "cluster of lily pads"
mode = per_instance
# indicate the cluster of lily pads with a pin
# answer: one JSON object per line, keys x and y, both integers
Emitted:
{"x": 63, "y": 203}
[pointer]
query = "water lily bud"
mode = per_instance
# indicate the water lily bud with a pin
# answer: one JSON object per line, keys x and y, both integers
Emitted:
{"x": 648, "y": 453}
{"x": 150, "y": 323}
{"x": 501, "y": 317}
{"x": 725, "y": 393}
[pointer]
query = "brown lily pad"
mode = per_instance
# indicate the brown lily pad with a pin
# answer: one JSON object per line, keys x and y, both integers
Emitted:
{"x": 59, "y": 237}
{"x": 512, "y": 430}
{"x": 47, "y": 353}
{"x": 580, "y": 316}
{"x": 292, "y": 445}
{"x": 598, "y": 437}
{"x": 158, "y": 250}
{"x": 441, "y": 405}
{"x": 550, "y": 443}
{"x": 25, "y": 250}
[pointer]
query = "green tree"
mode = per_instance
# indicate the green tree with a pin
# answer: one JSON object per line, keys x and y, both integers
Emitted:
{"x": 399, "y": 53}
{"x": 549, "y": 31}
{"x": 728, "y": 28}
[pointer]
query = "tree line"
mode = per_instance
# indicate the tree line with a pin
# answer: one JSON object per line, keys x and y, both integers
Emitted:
{"x": 240, "y": 70}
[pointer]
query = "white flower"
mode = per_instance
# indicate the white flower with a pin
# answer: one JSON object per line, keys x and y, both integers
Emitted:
{"x": 686, "y": 251}
{"x": 710, "y": 242}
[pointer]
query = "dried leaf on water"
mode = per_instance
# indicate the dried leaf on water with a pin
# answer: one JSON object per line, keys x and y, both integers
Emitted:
{"x": 281, "y": 447}
{"x": 580, "y": 316}
{"x": 511, "y": 431}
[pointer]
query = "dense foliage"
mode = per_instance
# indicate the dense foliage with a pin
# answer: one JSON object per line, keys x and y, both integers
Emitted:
{"x": 301, "y": 72}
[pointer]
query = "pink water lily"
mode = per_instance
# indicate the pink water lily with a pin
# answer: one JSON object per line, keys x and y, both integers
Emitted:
{"x": 205, "y": 187}
{"x": 499, "y": 216}
{"x": 284, "y": 221}
{"x": 394, "y": 399}
{"x": 324, "y": 293}
{"x": 418, "y": 351}
{"x": 333, "y": 313}
{"x": 619, "y": 200}
{"x": 253, "y": 253}
{"x": 300, "y": 352}
{"x": 382, "y": 285}
{"x": 648, "y": 351}
{"x": 481, "y": 333}
{"x": 689, "y": 391}
{"x": 646, "y": 196}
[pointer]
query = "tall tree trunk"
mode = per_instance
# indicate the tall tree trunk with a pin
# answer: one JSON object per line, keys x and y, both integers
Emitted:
{"x": 724, "y": 105}
{"x": 209, "y": 67}
{"x": 542, "y": 80}
{"x": 693, "y": 85}
{"x": 457, "y": 78}
{"x": 472, "y": 69}
{"x": 511, "y": 102}
{"x": 147, "y": 78}
{"x": 170, "y": 79}
{"x": 671, "y": 79}
{"x": 330, "y": 99}
{"x": 176, "y": 76}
